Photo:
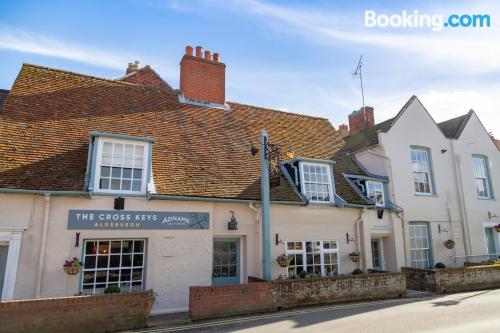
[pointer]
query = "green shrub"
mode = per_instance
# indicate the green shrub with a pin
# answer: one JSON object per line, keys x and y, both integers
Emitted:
{"x": 114, "y": 289}
{"x": 439, "y": 265}
{"x": 304, "y": 275}
{"x": 357, "y": 271}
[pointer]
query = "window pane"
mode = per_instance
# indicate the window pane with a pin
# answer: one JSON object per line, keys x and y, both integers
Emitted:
{"x": 105, "y": 171}
{"x": 316, "y": 183}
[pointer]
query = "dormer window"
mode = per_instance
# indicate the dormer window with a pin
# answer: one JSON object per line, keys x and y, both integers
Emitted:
{"x": 121, "y": 166}
{"x": 316, "y": 182}
{"x": 375, "y": 191}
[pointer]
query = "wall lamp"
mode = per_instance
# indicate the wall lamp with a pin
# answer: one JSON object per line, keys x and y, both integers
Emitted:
{"x": 277, "y": 239}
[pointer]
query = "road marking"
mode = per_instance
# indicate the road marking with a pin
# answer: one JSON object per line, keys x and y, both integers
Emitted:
{"x": 285, "y": 313}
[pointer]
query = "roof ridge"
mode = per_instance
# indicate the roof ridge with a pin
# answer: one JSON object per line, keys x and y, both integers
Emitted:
{"x": 88, "y": 76}
{"x": 281, "y": 111}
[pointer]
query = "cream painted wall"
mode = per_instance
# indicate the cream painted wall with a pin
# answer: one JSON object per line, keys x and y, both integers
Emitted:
{"x": 415, "y": 127}
{"x": 177, "y": 259}
{"x": 475, "y": 140}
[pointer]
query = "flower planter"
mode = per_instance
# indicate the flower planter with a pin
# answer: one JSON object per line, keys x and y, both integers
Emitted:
{"x": 72, "y": 270}
{"x": 354, "y": 258}
{"x": 497, "y": 227}
{"x": 283, "y": 260}
{"x": 449, "y": 244}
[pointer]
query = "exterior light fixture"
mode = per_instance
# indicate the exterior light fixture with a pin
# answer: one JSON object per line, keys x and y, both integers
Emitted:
{"x": 232, "y": 224}
{"x": 119, "y": 203}
{"x": 277, "y": 239}
{"x": 348, "y": 238}
{"x": 254, "y": 150}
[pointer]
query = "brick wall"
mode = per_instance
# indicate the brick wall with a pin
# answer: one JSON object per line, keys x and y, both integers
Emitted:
{"x": 220, "y": 301}
{"x": 147, "y": 77}
{"x": 453, "y": 279}
{"x": 293, "y": 293}
{"x": 361, "y": 119}
{"x": 104, "y": 313}
{"x": 223, "y": 301}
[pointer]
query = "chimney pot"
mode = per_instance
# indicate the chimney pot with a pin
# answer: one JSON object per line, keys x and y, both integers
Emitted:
{"x": 216, "y": 56}
{"x": 208, "y": 55}
{"x": 189, "y": 50}
{"x": 198, "y": 52}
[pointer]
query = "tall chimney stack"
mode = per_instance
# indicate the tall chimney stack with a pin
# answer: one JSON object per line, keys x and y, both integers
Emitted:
{"x": 361, "y": 119}
{"x": 202, "y": 78}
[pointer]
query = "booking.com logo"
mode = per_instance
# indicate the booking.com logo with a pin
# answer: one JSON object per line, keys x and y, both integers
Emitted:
{"x": 416, "y": 20}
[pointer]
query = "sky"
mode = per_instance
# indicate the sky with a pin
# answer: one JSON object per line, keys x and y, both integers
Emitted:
{"x": 290, "y": 55}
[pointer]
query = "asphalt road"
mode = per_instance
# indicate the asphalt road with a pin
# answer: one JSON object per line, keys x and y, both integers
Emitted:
{"x": 465, "y": 312}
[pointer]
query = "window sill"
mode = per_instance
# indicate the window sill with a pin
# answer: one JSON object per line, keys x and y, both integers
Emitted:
{"x": 487, "y": 199}
{"x": 321, "y": 203}
{"x": 118, "y": 194}
{"x": 426, "y": 195}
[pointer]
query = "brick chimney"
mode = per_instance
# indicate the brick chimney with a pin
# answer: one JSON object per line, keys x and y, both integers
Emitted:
{"x": 361, "y": 119}
{"x": 132, "y": 67}
{"x": 344, "y": 130}
{"x": 203, "y": 77}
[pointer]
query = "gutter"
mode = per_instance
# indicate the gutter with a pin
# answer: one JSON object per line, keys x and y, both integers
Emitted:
{"x": 45, "y": 192}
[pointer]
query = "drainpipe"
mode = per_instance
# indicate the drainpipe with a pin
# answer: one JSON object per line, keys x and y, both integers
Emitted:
{"x": 463, "y": 212}
{"x": 41, "y": 259}
{"x": 405, "y": 244}
{"x": 266, "y": 227}
{"x": 357, "y": 223}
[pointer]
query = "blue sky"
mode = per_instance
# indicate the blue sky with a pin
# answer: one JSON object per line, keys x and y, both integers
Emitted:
{"x": 290, "y": 55}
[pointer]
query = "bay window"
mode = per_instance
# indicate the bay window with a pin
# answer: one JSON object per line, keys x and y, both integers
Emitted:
{"x": 318, "y": 258}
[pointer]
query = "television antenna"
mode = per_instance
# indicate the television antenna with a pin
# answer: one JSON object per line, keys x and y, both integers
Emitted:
{"x": 357, "y": 74}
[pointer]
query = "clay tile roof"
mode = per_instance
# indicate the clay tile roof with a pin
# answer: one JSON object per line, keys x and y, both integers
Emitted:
{"x": 452, "y": 128}
{"x": 203, "y": 152}
{"x": 367, "y": 137}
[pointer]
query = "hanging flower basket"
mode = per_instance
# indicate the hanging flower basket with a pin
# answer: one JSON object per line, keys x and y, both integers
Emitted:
{"x": 354, "y": 256}
{"x": 449, "y": 244}
{"x": 72, "y": 266}
{"x": 283, "y": 260}
{"x": 71, "y": 270}
{"x": 497, "y": 227}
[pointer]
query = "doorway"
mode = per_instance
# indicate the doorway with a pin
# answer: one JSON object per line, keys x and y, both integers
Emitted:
{"x": 226, "y": 261}
{"x": 377, "y": 254}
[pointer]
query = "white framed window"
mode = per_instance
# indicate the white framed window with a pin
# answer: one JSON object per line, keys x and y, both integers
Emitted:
{"x": 481, "y": 175}
{"x": 316, "y": 181}
{"x": 318, "y": 258}
{"x": 108, "y": 262}
{"x": 121, "y": 166}
{"x": 375, "y": 191}
{"x": 419, "y": 245}
{"x": 422, "y": 172}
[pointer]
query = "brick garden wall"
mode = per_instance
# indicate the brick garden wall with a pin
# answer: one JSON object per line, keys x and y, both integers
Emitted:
{"x": 221, "y": 301}
{"x": 453, "y": 279}
{"x": 292, "y": 293}
{"x": 104, "y": 313}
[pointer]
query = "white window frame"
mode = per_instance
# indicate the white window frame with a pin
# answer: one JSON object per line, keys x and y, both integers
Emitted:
{"x": 429, "y": 171}
{"x": 413, "y": 236}
{"x": 375, "y": 183}
{"x": 330, "y": 180}
{"x": 13, "y": 240}
{"x": 322, "y": 251}
{"x": 484, "y": 161}
{"x": 119, "y": 268}
{"x": 97, "y": 171}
